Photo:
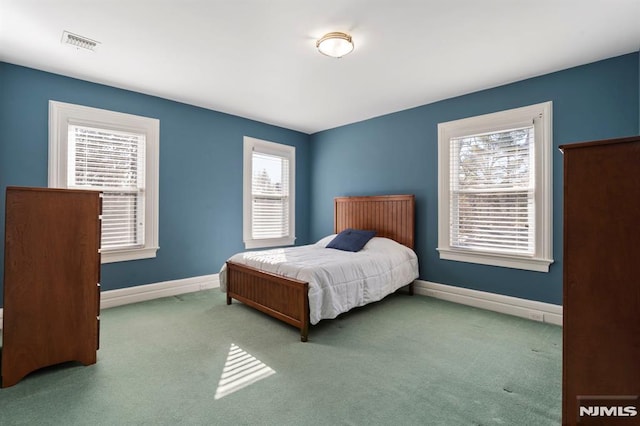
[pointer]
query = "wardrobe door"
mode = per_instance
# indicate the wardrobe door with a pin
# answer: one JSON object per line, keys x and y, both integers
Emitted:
{"x": 601, "y": 300}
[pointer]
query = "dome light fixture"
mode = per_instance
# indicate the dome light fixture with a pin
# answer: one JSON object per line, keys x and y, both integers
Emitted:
{"x": 335, "y": 44}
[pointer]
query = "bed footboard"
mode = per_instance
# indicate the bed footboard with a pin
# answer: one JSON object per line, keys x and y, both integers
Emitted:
{"x": 283, "y": 298}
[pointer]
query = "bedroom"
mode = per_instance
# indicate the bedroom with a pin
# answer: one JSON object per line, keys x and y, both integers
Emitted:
{"x": 201, "y": 161}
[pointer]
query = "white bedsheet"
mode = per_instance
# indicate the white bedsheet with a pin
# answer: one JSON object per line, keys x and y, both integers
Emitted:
{"x": 338, "y": 280}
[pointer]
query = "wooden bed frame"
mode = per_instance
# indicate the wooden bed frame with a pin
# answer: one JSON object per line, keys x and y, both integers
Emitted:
{"x": 391, "y": 216}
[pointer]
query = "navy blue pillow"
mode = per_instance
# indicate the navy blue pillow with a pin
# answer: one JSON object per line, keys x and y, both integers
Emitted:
{"x": 351, "y": 240}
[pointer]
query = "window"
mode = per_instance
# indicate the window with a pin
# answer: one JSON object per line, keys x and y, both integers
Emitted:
{"x": 494, "y": 189}
{"x": 117, "y": 154}
{"x": 269, "y": 188}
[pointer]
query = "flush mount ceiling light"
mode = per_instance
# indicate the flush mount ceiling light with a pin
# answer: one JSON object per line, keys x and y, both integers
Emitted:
{"x": 79, "y": 41}
{"x": 335, "y": 44}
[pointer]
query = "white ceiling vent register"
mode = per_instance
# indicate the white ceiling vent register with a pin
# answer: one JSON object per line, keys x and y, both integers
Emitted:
{"x": 79, "y": 41}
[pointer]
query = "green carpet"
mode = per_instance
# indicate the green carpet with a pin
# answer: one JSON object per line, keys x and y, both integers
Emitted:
{"x": 402, "y": 361}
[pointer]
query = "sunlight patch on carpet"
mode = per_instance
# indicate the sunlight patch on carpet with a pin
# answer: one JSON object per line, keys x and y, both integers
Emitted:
{"x": 240, "y": 370}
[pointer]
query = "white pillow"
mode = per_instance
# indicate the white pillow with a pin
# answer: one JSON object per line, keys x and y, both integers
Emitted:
{"x": 326, "y": 240}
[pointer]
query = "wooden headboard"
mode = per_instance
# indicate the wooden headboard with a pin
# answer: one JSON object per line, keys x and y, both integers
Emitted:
{"x": 391, "y": 216}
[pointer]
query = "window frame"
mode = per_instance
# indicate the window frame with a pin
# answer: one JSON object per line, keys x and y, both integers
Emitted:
{"x": 541, "y": 115}
{"x": 61, "y": 115}
{"x": 249, "y": 145}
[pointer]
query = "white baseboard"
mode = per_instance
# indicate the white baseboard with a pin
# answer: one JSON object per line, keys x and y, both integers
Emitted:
{"x": 140, "y": 293}
{"x": 537, "y": 311}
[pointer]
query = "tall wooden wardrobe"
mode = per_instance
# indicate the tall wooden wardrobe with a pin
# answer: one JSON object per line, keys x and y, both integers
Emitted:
{"x": 51, "y": 279}
{"x": 601, "y": 313}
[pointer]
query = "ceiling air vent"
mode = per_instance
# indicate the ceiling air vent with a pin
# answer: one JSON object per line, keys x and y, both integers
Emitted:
{"x": 78, "y": 41}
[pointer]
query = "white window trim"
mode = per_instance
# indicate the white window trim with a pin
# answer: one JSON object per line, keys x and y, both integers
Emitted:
{"x": 61, "y": 114}
{"x": 270, "y": 148}
{"x": 542, "y": 120}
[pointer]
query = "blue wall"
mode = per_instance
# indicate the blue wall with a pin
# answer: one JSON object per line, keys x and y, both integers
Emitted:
{"x": 200, "y": 170}
{"x": 201, "y": 165}
{"x": 397, "y": 153}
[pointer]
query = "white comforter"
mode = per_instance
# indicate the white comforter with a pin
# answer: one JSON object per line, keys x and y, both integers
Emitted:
{"x": 338, "y": 280}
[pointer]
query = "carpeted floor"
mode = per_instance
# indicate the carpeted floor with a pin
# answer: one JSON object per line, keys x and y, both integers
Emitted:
{"x": 193, "y": 360}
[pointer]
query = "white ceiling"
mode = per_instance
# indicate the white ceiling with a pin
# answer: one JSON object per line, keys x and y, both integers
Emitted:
{"x": 257, "y": 58}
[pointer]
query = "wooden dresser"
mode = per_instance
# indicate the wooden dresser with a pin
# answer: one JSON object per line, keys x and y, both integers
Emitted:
{"x": 51, "y": 279}
{"x": 601, "y": 334}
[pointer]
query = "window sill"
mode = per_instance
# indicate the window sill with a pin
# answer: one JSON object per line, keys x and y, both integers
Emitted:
{"x": 505, "y": 261}
{"x": 276, "y": 242}
{"x": 124, "y": 255}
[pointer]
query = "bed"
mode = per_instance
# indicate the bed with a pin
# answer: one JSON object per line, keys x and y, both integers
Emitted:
{"x": 279, "y": 294}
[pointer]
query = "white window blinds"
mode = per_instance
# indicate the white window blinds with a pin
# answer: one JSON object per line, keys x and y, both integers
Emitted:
{"x": 112, "y": 162}
{"x": 269, "y": 196}
{"x": 492, "y": 192}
